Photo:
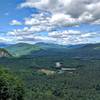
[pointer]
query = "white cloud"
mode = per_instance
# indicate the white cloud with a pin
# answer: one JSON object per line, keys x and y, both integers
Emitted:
{"x": 73, "y": 36}
{"x": 42, "y": 22}
{"x": 63, "y": 20}
{"x": 64, "y": 34}
{"x": 86, "y": 17}
{"x": 63, "y": 37}
{"x": 86, "y": 10}
{"x": 27, "y": 35}
{"x": 56, "y": 14}
{"x": 6, "y": 39}
{"x": 49, "y": 5}
{"x": 15, "y": 22}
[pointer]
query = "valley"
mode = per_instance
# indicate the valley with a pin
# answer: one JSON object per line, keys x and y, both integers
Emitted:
{"x": 56, "y": 72}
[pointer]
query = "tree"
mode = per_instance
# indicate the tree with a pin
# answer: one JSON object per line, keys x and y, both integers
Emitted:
{"x": 11, "y": 88}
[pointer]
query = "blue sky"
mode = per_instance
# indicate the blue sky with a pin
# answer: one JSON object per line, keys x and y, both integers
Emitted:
{"x": 8, "y": 12}
{"x": 54, "y": 21}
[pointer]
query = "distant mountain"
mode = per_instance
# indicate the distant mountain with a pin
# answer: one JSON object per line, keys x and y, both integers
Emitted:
{"x": 2, "y": 45}
{"x": 4, "y": 53}
{"x": 55, "y": 50}
{"x": 49, "y": 49}
{"x": 72, "y": 51}
{"x": 49, "y": 45}
{"x": 87, "y": 51}
{"x": 75, "y": 46}
{"x": 21, "y": 49}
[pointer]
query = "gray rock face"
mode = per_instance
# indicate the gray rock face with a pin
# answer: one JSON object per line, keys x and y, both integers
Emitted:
{"x": 4, "y": 53}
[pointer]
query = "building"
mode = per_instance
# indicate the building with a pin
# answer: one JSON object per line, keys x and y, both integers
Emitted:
{"x": 61, "y": 68}
{"x": 68, "y": 69}
{"x": 58, "y": 65}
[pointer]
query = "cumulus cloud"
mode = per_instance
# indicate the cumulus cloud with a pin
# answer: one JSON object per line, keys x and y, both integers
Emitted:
{"x": 27, "y": 35}
{"x": 64, "y": 34}
{"x": 43, "y": 22}
{"x": 57, "y": 14}
{"x": 15, "y": 22}
{"x": 5, "y": 39}
{"x": 63, "y": 37}
{"x": 73, "y": 36}
{"x": 82, "y": 10}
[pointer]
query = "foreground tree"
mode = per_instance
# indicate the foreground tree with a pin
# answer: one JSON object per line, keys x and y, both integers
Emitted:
{"x": 11, "y": 88}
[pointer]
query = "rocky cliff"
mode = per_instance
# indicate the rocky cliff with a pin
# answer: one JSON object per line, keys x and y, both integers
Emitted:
{"x": 4, "y": 53}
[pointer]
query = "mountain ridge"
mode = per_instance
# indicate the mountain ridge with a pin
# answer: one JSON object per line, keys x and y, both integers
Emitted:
{"x": 47, "y": 49}
{"x": 21, "y": 49}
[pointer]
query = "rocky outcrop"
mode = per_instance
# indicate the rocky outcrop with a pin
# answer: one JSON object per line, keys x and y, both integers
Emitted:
{"x": 4, "y": 53}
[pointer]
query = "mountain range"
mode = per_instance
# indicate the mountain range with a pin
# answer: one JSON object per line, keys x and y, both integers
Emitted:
{"x": 51, "y": 50}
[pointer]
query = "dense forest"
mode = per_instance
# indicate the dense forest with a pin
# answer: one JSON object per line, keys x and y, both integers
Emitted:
{"x": 81, "y": 84}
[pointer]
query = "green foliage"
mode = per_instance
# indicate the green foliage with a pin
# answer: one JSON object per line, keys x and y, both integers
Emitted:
{"x": 21, "y": 49}
{"x": 11, "y": 88}
{"x": 82, "y": 84}
{"x": 54, "y": 50}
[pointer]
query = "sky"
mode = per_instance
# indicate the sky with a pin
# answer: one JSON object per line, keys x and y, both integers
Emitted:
{"x": 51, "y": 21}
